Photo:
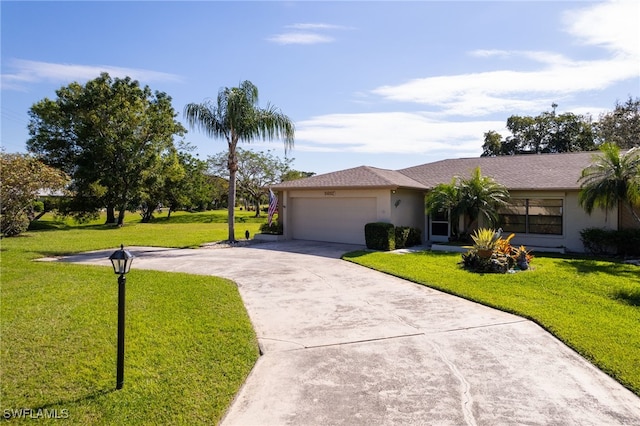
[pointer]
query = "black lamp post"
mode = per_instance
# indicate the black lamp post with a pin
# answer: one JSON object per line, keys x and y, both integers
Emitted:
{"x": 121, "y": 261}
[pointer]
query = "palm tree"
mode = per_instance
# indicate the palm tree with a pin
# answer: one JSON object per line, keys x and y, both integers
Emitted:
{"x": 236, "y": 117}
{"x": 471, "y": 198}
{"x": 481, "y": 196}
{"x": 611, "y": 179}
{"x": 445, "y": 198}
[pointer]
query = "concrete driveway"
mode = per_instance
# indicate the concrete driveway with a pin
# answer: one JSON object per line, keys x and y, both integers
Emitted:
{"x": 343, "y": 344}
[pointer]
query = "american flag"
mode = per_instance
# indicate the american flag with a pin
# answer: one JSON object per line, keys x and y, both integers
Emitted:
{"x": 273, "y": 206}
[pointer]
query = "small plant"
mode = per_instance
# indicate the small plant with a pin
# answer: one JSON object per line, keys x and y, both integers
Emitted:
{"x": 503, "y": 245}
{"x": 492, "y": 254}
{"x": 484, "y": 239}
{"x": 522, "y": 257}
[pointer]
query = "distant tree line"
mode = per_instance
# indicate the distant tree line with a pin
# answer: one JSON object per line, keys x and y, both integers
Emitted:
{"x": 550, "y": 132}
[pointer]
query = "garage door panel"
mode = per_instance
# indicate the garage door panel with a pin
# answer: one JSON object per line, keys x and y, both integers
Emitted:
{"x": 332, "y": 219}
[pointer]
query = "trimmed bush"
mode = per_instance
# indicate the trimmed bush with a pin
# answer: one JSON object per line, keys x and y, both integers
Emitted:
{"x": 415, "y": 237}
{"x": 598, "y": 241}
{"x": 380, "y": 236}
{"x": 407, "y": 236}
{"x": 402, "y": 235}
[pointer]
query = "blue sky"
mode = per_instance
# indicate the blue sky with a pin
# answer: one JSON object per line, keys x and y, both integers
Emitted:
{"x": 385, "y": 84}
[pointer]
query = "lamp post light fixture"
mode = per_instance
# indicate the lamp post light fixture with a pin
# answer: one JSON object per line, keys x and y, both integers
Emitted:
{"x": 121, "y": 261}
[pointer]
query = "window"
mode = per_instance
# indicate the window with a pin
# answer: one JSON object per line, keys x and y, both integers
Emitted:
{"x": 532, "y": 216}
{"x": 440, "y": 224}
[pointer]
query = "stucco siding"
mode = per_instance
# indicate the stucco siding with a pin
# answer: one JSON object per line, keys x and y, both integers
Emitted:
{"x": 574, "y": 220}
{"x": 407, "y": 209}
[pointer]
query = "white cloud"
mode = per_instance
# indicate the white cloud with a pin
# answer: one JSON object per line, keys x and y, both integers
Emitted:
{"x": 454, "y": 126}
{"x": 394, "y": 132}
{"x": 24, "y": 72}
{"x": 300, "y": 38}
{"x": 505, "y": 90}
{"x": 550, "y": 58}
{"x": 612, "y": 26}
{"x": 307, "y": 33}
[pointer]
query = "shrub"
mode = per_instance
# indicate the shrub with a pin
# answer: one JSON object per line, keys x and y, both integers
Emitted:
{"x": 415, "y": 237}
{"x": 380, "y": 236}
{"x": 14, "y": 223}
{"x": 275, "y": 228}
{"x": 598, "y": 241}
{"x": 407, "y": 236}
{"x": 402, "y": 235}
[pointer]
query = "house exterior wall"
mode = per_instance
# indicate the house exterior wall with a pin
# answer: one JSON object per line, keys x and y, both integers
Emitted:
{"x": 409, "y": 210}
{"x": 626, "y": 219}
{"x": 574, "y": 220}
{"x": 338, "y": 197}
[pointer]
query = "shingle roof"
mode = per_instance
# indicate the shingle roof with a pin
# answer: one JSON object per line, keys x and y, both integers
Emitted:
{"x": 358, "y": 177}
{"x": 518, "y": 172}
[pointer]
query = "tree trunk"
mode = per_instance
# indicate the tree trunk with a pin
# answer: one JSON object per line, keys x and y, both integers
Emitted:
{"x": 42, "y": 213}
{"x": 232, "y": 162}
{"x": 111, "y": 215}
{"x": 232, "y": 203}
{"x": 121, "y": 216}
{"x": 147, "y": 213}
{"x": 257, "y": 201}
{"x": 169, "y": 213}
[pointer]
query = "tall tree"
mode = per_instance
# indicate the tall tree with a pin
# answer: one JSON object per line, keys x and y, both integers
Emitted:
{"x": 546, "y": 133}
{"x": 235, "y": 117}
{"x": 256, "y": 171}
{"x": 106, "y": 135}
{"x": 612, "y": 179}
{"x": 197, "y": 190}
{"x": 296, "y": 174}
{"x": 22, "y": 178}
{"x": 158, "y": 182}
{"x": 622, "y": 125}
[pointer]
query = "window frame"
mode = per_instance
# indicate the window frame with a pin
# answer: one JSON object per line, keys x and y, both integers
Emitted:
{"x": 526, "y": 225}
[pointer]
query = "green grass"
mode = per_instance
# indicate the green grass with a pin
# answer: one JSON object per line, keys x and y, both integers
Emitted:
{"x": 189, "y": 342}
{"x": 591, "y": 305}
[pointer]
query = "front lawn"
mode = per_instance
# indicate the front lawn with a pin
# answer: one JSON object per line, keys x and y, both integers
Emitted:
{"x": 189, "y": 342}
{"x": 591, "y": 305}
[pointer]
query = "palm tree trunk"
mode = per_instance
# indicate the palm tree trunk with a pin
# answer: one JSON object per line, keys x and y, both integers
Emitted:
{"x": 232, "y": 204}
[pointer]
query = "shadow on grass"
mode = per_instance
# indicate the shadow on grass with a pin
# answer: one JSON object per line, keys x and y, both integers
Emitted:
{"x": 47, "y": 226}
{"x": 66, "y": 402}
{"x": 594, "y": 266}
{"x": 627, "y": 295}
{"x": 192, "y": 218}
{"x": 206, "y": 217}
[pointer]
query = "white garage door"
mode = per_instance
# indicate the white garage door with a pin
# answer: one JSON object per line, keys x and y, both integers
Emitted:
{"x": 339, "y": 220}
